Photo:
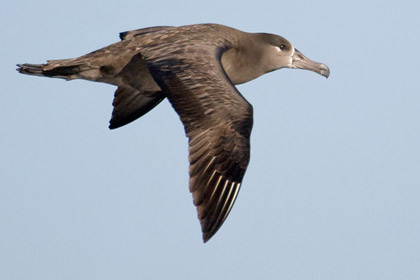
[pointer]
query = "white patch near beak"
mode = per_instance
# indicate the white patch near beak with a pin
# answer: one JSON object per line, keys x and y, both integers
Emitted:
{"x": 291, "y": 58}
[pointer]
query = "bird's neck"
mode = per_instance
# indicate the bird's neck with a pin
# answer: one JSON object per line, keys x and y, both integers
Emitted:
{"x": 240, "y": 63}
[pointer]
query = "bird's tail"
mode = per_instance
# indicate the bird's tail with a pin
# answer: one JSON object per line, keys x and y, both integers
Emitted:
{"x": 67, "y": 69}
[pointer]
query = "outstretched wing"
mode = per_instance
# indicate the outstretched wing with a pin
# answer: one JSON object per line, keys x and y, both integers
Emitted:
{"x": 130, "y": 104}
{"x": 217, "y": 121}
{"x": 127, "y": 35}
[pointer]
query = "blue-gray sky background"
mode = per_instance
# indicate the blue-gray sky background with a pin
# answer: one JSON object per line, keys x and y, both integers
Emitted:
{"x": 332, "y": 190}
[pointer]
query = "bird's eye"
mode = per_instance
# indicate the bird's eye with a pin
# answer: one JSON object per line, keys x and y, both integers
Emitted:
{"x": 282, "y": 47}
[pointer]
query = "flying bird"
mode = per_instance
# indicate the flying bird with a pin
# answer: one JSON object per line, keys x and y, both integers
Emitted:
{"x": 196, "y": 67}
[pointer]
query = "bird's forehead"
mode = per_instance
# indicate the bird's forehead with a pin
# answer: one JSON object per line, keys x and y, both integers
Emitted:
{"x": 275, "y": 40}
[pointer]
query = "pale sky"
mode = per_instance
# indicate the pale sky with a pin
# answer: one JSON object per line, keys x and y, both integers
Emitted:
{"x": 332, "y": 190}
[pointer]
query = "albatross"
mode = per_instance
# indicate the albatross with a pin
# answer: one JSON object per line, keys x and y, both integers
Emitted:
{"x": 196, "y": 67}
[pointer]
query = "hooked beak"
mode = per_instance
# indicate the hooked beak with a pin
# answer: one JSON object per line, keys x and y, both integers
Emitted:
{"x": 302, "y": 62}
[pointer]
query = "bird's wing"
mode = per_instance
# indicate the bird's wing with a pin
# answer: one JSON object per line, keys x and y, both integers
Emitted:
{"x": 130, "y": 104}
{"x": 217, "y": 121}
{"x": 127, "y": 35}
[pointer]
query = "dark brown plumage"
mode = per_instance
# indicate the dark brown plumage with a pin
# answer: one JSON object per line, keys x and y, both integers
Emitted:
{"x": 196, "y": 68}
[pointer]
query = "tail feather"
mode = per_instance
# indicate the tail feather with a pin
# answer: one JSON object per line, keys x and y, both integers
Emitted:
{"x": 45, "y": 70}
{"x": 30, "y": 69}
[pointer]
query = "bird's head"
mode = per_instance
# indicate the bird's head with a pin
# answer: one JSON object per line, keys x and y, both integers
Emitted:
{"x": 280, "y": 53}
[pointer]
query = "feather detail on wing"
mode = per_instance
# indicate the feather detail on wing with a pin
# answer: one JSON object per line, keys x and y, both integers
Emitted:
{"x": 217, "y": 121}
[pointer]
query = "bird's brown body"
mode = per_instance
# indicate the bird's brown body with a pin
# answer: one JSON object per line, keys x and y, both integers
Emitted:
{"x": 196, "y": 68}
